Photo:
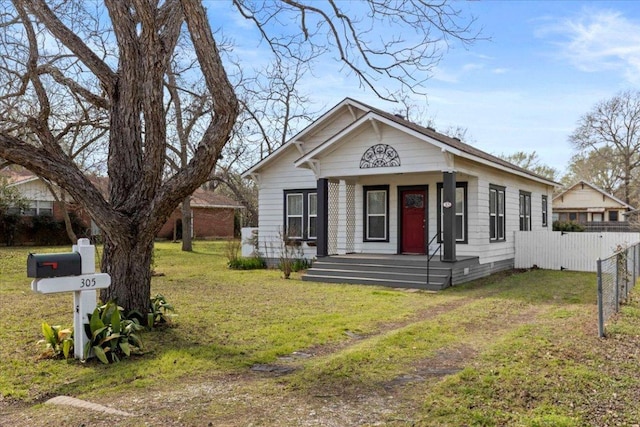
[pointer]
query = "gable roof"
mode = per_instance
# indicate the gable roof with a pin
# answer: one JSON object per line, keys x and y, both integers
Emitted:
{"x": 453, "y": 145}
{"x": 202, "y": 198}
{"x": 299, "y": 136}
{"x": 595, "y": 188}
{"x": 17, "y": 175}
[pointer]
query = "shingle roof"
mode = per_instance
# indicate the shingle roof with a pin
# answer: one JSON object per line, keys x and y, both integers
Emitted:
{"x": 401, "y": 122}
{"x": 208, "y": 199}
{"x": 452, "y": 142}
{"x": 17, "y": 174}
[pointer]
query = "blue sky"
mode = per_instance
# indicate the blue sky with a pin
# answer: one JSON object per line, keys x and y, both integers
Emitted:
{"x": 546, "y": 65}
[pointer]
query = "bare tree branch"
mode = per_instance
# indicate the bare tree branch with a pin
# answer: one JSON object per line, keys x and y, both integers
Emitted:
{"x": 428, "y": 29}
{"x": 72, "y": 42}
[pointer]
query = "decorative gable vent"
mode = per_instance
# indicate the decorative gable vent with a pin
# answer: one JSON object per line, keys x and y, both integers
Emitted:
{"x": 379, "y": 156}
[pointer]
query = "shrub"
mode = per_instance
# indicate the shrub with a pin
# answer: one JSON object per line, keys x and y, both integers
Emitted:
{"x": 570, "y": 226}
{"x": 236, "y": 262}
{"x": 111, "y": 336}
{"x": 250, "y": 263}
{"x": 232, "y": 250}
{"x": 296, "y": 264}
{"x": 58, "y": 341}
{"x": 45, "y": 230}
{"x": 9, "y": 225}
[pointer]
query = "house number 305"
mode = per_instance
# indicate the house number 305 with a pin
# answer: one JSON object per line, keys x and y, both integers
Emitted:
{"x": 88, "y": 283}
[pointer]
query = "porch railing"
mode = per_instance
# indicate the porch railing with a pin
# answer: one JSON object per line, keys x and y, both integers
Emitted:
{"x": 430, "y": 255}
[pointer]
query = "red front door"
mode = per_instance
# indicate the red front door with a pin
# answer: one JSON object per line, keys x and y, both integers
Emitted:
{"x": 414, "y": 206}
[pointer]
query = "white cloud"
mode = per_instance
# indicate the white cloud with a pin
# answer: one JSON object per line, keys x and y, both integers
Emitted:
{"x": 599, "y": 40}
{"x": 454, "y": 75}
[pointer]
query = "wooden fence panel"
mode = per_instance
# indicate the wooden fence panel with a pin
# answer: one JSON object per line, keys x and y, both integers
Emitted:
{"x": 569, "y": 251}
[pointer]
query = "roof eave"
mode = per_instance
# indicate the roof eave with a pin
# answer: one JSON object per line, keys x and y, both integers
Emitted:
{"x": 434, "y": 141}
{"x": 599, "y": 190}
{"x": 300, "y": 136}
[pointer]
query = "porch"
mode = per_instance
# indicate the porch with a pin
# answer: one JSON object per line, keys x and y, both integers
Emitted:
{"x": 397, "y": 271}
{"x": 382, "y": 214}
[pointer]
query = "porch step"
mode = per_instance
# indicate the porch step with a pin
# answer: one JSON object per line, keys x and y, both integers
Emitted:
{"x": 409, "y": 273}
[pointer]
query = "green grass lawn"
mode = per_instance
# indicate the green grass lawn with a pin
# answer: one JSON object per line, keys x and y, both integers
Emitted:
{"x": 250, "y": 348}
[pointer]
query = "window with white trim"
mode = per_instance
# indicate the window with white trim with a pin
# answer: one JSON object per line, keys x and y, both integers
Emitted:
{"x": 376, "y": 213}
{"x": 545, "y": 214}
{"x": 496, "y": 213}
{"x": 36, "y": 208}
{"x": 300, "y": 214}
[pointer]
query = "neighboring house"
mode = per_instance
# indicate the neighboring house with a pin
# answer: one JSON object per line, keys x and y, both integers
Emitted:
{"x": 35, "y": 192}
{"x": 362, "y": 181}
{"x": 212, "y": 214}
{"x": 591, "y": 206}
{"x": 39, "y": 222}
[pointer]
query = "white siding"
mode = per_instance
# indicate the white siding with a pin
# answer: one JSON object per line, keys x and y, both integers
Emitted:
{"x": 279, "y": 176}
{"x": 35, "y": 190}
{"x": 584, "y": 197}
{"x": 421, "y": 164}
{"x": 478, "y": 210}
{"x": 415, "y": 155}
{"x": 329, "y": 129}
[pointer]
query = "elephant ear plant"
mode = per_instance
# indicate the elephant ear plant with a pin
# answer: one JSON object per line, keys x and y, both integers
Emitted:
{"x": 112, "y": 336}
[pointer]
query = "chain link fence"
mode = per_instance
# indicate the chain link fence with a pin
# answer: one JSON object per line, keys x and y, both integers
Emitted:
{"x": 617, "y": 275}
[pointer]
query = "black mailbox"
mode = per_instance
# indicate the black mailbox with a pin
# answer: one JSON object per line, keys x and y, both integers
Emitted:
{"x": 54, "y": 265}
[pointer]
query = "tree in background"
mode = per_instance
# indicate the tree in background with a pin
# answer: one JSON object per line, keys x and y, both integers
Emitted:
{"x": 531, "y": 162}
{"x": 272, "y": 109}
{"x": 60, "y": 60}
{"x": 596, "y": 169}
{"x": 609, "y": 134}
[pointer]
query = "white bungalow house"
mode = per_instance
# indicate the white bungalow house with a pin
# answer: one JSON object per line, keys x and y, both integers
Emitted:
{"x": 373, "y": 197}
{"x": 592, "y": 207}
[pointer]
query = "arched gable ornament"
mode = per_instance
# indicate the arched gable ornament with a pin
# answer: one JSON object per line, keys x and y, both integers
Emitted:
{"x": 379, "y": 156}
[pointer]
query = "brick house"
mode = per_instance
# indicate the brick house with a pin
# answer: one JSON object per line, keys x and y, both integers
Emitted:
{"x": 212, "y": 217}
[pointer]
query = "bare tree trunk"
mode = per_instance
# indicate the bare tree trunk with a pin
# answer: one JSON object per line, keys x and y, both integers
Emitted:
{"x": 186, "y": 225}
{"x": 67, "y": 220}
{"x": 175, "y": 231}
{"x": 65, "y": 212}
{"x": 129, "y": 263}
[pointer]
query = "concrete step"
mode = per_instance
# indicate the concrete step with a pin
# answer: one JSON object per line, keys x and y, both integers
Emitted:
{"x": 401, "y": 272}
{"x": 402, "y": 268}
{"x": 374, "y": 281}
{"x": 420, "y": 276}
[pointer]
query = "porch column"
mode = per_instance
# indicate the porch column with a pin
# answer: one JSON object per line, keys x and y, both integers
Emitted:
{"x": 342, "y": 218}
{"x": 322, "y": 224}
{"x": 449, "y": 216}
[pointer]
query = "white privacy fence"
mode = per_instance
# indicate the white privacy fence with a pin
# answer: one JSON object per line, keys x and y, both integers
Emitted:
{"x": 569, "y": 251}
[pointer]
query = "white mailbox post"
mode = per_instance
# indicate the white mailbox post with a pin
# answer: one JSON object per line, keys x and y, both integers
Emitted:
{"x": 83, "y": 285}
